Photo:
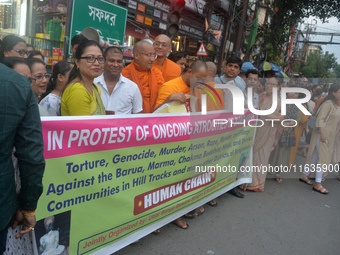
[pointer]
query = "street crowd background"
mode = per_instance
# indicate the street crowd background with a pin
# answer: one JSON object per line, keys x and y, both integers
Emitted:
{"x": 97, "y": 83}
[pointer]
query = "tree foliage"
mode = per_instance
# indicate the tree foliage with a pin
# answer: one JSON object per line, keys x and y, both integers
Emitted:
{"x": 284, "y": 14}
{"x": 319, "y": 65}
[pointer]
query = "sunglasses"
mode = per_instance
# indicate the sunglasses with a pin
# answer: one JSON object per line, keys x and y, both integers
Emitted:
{"x": 21, "y": 52}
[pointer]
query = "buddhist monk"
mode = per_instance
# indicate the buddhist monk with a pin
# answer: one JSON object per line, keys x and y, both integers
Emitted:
{"x": 176, "y": 89}
{"x": 169, "y": 69}
{"x": 213, "y": 104}
{"x": 147, "y": 77}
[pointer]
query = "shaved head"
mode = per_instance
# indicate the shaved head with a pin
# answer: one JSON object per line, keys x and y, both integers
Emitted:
{"x": 212, "y": 69}
{"x": 144, "y": 54}
{"x": 164, "y": 37}
{"x": 139, "y": 46}
{"x": 198, "y": 65}
{"x": 196, "y": 72}
{"x": 162, "y": 47}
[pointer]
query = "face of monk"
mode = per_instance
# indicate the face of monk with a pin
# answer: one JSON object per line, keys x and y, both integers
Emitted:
{"x": 199, "y": 75}
{"x": 146, "y": 56}
{"x": 113, "y": 63}
{"x": 162, "y": 45}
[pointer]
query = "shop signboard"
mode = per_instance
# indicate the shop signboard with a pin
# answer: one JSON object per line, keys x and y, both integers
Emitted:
{"x": 107, "y": 18}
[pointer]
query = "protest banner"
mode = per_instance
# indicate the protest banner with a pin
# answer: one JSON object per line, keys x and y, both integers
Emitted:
{"x": 110, "y": 180}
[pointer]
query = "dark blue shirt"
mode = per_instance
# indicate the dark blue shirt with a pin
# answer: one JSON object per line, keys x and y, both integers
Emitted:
{"x": 20, "y": 127}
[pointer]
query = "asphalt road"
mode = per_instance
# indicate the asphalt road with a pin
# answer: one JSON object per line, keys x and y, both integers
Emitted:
{"x": 288, "y": 218}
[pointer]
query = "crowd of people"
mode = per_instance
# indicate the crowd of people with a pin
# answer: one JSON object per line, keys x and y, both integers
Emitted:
{"x": 97, "y": 83}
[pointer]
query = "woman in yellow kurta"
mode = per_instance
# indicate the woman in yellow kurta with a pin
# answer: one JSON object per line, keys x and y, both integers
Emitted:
{"x": 82, "y": 96}
{"x": 322, "y": 141}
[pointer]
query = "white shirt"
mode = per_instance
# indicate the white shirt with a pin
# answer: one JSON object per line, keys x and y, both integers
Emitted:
{"x": 125, "y": 98}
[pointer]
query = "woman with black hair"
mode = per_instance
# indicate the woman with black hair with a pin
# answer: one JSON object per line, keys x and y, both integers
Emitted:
{"x": 13, "y": 46}
{"x": 82, "y": 96}
{"x": 322, "y": 141}
{"x": 36, "y": 54}
{"x": 51, "y": 99}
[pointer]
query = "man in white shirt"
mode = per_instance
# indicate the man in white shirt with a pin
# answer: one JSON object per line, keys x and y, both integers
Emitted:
{"x": 119, "y": 94}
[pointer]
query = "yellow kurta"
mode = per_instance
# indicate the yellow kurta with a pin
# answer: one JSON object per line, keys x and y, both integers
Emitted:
{"x": 76, "y": 101}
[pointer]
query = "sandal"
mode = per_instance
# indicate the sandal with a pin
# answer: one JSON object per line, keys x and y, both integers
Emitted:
{"x": 181, "y": 223}
{"x": 255, "y": 190}
{"x": 321, "y": 190}
{"x": 199, "y": 211}
{"x": 278, "y": 179}
{"x": 307, "y": 181}
{"x": 213, "y": 202}
{"x": 190, "y": 215}
{"x": 156, "y": 232}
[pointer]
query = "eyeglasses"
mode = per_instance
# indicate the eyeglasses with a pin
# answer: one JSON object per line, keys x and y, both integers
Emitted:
{"x": 39, "y": 77}
{"x": 30, "y": 79}
{"x": 21, "y": 52}
{"x": 92, "y": 59}
{"x": 164, "y": 45}
{"x": 150, "y": 55}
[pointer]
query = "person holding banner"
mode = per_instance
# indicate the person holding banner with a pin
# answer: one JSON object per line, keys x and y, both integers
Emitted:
{"x": 20, "y": 127}
{"x": 176, "y": 91}
{"x": 266, "y": 138}
{"x": 119, "y": 94}
{"x": 82, "y": 96}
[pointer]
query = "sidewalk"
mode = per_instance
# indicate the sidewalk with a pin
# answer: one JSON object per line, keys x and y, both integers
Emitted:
{"x": 288, "y": 218}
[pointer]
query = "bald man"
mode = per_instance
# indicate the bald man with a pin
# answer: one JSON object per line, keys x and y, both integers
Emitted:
{"x": 169, "y": 69}
{"x": 176, "y": 89}
{"x": 211, "y": 105}
{"x": 141, "y": 71}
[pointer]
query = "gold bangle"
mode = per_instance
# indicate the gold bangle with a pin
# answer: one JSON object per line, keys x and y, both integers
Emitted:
{"x": 28, "y": 213}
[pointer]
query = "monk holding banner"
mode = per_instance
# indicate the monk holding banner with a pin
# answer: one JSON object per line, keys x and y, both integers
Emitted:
{"x": 147, "y": 77}
{"x": 169, "y": 69}
{"x": 176, "y": 89}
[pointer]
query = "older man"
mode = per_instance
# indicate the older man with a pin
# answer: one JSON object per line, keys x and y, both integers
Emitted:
{"x": 169, "y": 69}
{"x": 119, "y": 94}
{"x": 147, "y": 77}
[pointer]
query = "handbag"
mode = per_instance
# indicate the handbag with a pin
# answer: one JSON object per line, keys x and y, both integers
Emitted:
{"x": 312, "y": 122}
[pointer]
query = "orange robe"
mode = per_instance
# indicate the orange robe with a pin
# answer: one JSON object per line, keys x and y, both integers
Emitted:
{"x": 148, "y": 81}
{"x": 211, "y": 105}
{"x": 177, "y": 85}
{"x": 169, "y": 69}
{"x": 171, "y": 87}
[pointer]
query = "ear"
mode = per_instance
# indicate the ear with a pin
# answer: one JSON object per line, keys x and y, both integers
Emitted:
{"x": 77, "y": 62}
{"x": 60, "y": 77}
